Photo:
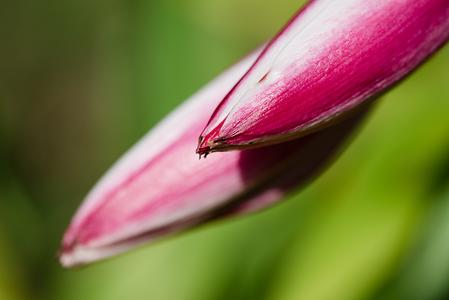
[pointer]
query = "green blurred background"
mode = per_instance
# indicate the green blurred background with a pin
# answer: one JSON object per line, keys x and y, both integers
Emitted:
{"x": 82, "y": 80}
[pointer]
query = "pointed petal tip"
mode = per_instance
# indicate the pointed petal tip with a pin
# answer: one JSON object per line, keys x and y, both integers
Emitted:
{"x": 203, "y": 148}
{"x": 218, "y": 145}
{"x": 212, "y": 141}
{"x": 68, "y": 253}
{"x": 207, "y": 146}
{"x": 66, "y": 256}
{"x": 77, "y": 255}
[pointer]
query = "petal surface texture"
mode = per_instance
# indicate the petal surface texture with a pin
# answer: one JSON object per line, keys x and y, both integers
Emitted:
{"x": 331, "y": 57}
{"x": 160, "y": 187}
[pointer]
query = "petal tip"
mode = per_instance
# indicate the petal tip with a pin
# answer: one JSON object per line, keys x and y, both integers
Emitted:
{"x": 78, "y": 255}
{"x": 203, "y": 149}
{"x": 206, "y": 146}
{"x": 66, "y": 256}
{"x": 69, "y": 253}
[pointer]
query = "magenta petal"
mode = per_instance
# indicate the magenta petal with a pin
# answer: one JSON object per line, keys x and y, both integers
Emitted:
{"x": 160, "y": 187}
{"x": 331, "y": 57}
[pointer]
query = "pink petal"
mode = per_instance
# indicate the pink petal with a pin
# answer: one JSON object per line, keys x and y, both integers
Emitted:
{"x": 160, "y": 187}
{"x": 331, "y": 57}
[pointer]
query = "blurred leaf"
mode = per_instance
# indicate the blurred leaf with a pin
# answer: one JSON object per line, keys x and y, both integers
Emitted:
{"x": 11, "y": 285}
{"x": 425, "y": 272}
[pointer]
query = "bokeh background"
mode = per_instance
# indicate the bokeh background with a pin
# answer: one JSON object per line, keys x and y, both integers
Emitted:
{"x": 82, "y": 80}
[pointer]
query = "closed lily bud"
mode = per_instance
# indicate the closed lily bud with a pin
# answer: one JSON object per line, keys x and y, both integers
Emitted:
{"x": 333, "y": 56}
{"x": 160, "y": 187}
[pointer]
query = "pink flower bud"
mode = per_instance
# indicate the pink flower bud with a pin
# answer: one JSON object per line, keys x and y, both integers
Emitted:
{"x": 160, "y": 187}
